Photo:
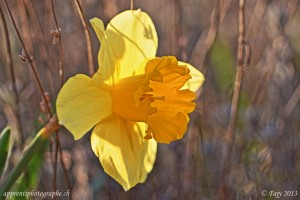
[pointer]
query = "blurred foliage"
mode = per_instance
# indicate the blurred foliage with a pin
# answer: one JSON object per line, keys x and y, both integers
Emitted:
{"x": 221, "y": 59}
{"x": 27, "y": 167}
{"x": 4, "y": 147}
{"x": 266, "y": 154}
{"x": 29, "y": 180}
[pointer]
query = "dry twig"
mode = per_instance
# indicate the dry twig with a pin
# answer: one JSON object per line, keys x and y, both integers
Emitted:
{"x": 12, "y": 74}
{"x": 28, "y": 57}
{"x": 87, "y": 38}
{"x": 25, "y": 55}
{"x": 206, "y": 41}
{"x": 223, "y": 192}
{"x": 57, "y": 34}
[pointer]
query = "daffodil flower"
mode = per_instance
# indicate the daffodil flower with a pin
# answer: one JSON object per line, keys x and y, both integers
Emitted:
{"x": 133, "y": 101}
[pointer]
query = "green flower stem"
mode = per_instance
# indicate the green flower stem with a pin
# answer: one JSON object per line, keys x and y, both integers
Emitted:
{"x": 4, "y": 145}
{"x": 37, "y": 144}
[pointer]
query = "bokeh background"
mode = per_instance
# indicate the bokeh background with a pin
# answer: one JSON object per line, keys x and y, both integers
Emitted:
{"x": 266, "y": 154}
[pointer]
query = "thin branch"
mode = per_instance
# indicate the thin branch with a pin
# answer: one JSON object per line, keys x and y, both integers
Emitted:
{"x": 54, "y": 181}
{"x": 291, "y": 104}
{"x": 206, "y": 41}
{"x": 57, "y": 33}
{"x": 65, "y": 172}
{"x": 29, "y": 60}
{"x": 131, "y": 4}
{"x": 178, "y": 33}
{"x": 37, "y": 31}
{"x": 286, "y": 112}
{"x": 12, "y": 74}
{"x": 53, "y": 162}
{"x": 223, "y": 193}
{"x": 25, "y": 57}
{"x": 87, "y": 38}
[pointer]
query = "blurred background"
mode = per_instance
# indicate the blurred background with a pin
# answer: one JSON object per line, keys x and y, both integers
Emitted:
{"x": 266, "y": 154}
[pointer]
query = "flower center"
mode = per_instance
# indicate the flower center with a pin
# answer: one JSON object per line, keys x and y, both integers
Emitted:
{"x": 132, "y": 100}
{"x": 155, "y": 98}
{"x": 151, "y": 97}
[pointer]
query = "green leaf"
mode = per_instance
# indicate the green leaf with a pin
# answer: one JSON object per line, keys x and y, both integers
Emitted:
{"x": 35, "y": 147}
{"x": 30, "y": 178}
{"x": 4, "y": 145}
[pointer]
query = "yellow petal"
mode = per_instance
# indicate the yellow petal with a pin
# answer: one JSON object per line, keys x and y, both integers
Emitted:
{"x": 106, "y": 58}
{"x": 81, "y": 105}
{"x": 197, "y": 78}
{"x": 172, "y": 129}
{"x": 171, "y": 102}
{"x": 122, "y": 150}
{"x": 149, "y": 152}
{"x": 129, "y": 39}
